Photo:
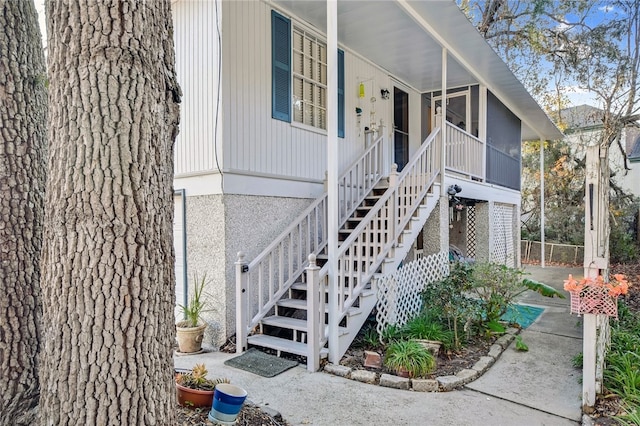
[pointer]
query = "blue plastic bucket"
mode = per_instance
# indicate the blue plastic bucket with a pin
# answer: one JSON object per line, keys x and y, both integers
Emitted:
{"x": 227, "y": 403}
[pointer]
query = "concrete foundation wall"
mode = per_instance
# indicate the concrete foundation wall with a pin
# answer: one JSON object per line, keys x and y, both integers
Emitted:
{"x": 483, "y": 226}
{"x": 206, "y": 255}
{"x": 218, "y": 227}
{"x": 435, "y": 232}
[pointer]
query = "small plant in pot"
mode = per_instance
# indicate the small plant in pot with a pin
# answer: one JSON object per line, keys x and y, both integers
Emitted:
{"x": 190, "y": 331}
{"x": 193, "y": 389}
{"x": 409, "y": 358}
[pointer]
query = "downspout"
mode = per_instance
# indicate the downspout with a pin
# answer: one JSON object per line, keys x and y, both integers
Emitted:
{"x": 332, "y": 177}
{"x": 185, "y": 285}
{"x": 542, "y": 255}
{"x": 443, "y": 128}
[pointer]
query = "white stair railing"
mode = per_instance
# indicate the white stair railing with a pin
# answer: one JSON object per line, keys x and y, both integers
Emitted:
{"x": 374, "y": 237}
{"x": 261, "y": 283}
{"x": 463, "y": 153}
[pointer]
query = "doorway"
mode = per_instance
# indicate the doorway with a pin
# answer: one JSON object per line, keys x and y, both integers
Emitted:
{"x": 458, "y": 109}
{"x": 400, "y": 127}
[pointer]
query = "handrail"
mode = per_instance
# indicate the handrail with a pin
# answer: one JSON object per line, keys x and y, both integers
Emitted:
{"x": 463, "y": 153}
{"x": 281, "y": 263}
{"x": 373, "y": 238}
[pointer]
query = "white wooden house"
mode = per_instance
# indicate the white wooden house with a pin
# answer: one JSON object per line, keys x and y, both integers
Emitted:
{"x": 584, "y": 128}
{"x": 257, "y": 171}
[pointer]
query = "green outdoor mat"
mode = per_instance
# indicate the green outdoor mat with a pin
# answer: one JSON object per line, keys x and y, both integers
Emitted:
{"x": 260, "y": 363}
{"x": 524, "y": 315}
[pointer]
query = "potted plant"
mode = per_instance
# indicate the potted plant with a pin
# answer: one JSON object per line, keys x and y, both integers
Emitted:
{"x": 408, "y": 358}
{"x": 193, "y": 389}
{"x": 190, "y": 331}
{"x": 596, "y": 296}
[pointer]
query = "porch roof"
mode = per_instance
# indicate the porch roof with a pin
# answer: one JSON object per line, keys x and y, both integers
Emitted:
{"x": 406, "y": 38}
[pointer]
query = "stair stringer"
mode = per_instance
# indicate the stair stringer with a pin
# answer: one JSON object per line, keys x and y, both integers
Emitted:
{"x": 392, "y": 261}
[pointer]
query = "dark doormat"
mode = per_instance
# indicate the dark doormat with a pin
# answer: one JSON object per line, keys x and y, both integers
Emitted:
{"x": 260, "y": 363}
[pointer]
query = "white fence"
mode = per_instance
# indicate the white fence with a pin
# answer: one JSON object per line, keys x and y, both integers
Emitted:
{"x": 554, "y": 252}
{"x": 399, "y": 293}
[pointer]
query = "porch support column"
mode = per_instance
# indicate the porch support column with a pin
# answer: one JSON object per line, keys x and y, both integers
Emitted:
{"x": 332, "y": 176}
{"x": 443, "y": 124}
{"x": 542, "y": 261}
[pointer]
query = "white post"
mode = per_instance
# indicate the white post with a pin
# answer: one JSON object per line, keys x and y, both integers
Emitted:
{"x": 596, "y": 257}
{"x": 443, "y": 123}
{"x": 482, "y": 130}
{"x": 332, "y": 176}
{"x": 542, "y": 261}
{"x": 241, "y": 304}
{"x": 387, "y": 267}
{"x": 314, "y": 316}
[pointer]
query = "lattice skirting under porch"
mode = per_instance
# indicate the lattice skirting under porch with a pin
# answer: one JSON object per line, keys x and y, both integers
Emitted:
{"x": 399, "y": 293}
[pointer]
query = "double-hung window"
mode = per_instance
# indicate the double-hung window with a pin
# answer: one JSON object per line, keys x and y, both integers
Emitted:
{"x": 309, "y": 79}
{"x": 299, "y": 70}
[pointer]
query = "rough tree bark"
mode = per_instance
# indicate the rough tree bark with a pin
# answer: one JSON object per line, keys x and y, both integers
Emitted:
{"x": 23, "y": 110}
{"x": 108, "y": 279}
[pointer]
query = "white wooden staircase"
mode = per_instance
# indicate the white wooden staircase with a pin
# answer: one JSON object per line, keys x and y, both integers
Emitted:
{"x": 380, "y": 217}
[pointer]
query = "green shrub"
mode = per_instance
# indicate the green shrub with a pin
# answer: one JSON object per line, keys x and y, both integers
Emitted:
{"x": 446, "y": 299}
{"x": 496, "y": 287}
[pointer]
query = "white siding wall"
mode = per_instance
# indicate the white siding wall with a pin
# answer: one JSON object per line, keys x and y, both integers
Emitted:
{"x": 196, "y": 42}
{"x": 257, "y": 143}
{"x": 254, "y": 143}
{"x": 357, "y": 70}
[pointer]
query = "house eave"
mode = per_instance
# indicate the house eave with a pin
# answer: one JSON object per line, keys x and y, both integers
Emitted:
{"x": 406, "y": 37}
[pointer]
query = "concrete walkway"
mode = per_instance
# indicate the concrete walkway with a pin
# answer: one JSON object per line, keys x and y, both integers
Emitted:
{"x": 538, "y": 387}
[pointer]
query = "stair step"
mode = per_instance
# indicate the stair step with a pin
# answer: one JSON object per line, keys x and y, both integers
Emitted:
{"x": 285, "y": 322}
{"x": 283, "y": 345}
{"x": 302, "y": 305}
{"x": 292, "y": 303}
{"x": 293, "y": 324}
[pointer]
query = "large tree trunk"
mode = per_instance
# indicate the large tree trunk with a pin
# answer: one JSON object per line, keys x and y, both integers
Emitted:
{"x": 23, "y": 110}
{"x": 108, "y": 279}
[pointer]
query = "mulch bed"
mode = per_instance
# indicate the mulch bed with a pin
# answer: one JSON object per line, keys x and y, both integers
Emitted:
{"x": 250, "y": 415}
{"x": 448, "y": 362}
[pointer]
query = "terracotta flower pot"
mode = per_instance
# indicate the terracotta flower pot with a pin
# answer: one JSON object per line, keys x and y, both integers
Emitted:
{"x": 190, "y": 338}
{"x": 188, "y": 397}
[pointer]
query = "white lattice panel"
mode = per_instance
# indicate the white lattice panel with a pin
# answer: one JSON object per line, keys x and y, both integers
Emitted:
{"x": 399, "y": 293}
{"x": 503, "y": 250}
{"x": 471, "y": 231}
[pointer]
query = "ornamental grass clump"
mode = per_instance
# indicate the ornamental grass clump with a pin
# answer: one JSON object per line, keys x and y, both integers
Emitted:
{"x": 424, "y": 327}
{"x": 410, "y": 357}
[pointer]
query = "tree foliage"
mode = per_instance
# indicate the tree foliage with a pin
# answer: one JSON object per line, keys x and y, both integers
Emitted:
{"x": 555, "y": 48}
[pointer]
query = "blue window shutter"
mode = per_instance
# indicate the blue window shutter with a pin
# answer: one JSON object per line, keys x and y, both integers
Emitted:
{"x": 340, "y": 93}
{"x": 280, "y": 67}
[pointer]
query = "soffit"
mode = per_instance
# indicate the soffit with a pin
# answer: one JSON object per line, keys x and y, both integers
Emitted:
{"x": 406, "y": 39}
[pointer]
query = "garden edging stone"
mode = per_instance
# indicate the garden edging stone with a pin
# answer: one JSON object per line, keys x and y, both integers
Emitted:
{"x": 439, "y": 384}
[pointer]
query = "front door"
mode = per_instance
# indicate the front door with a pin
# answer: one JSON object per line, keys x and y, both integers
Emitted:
{"x": 400, "y": 127}
{"x": 458, "y": 109}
